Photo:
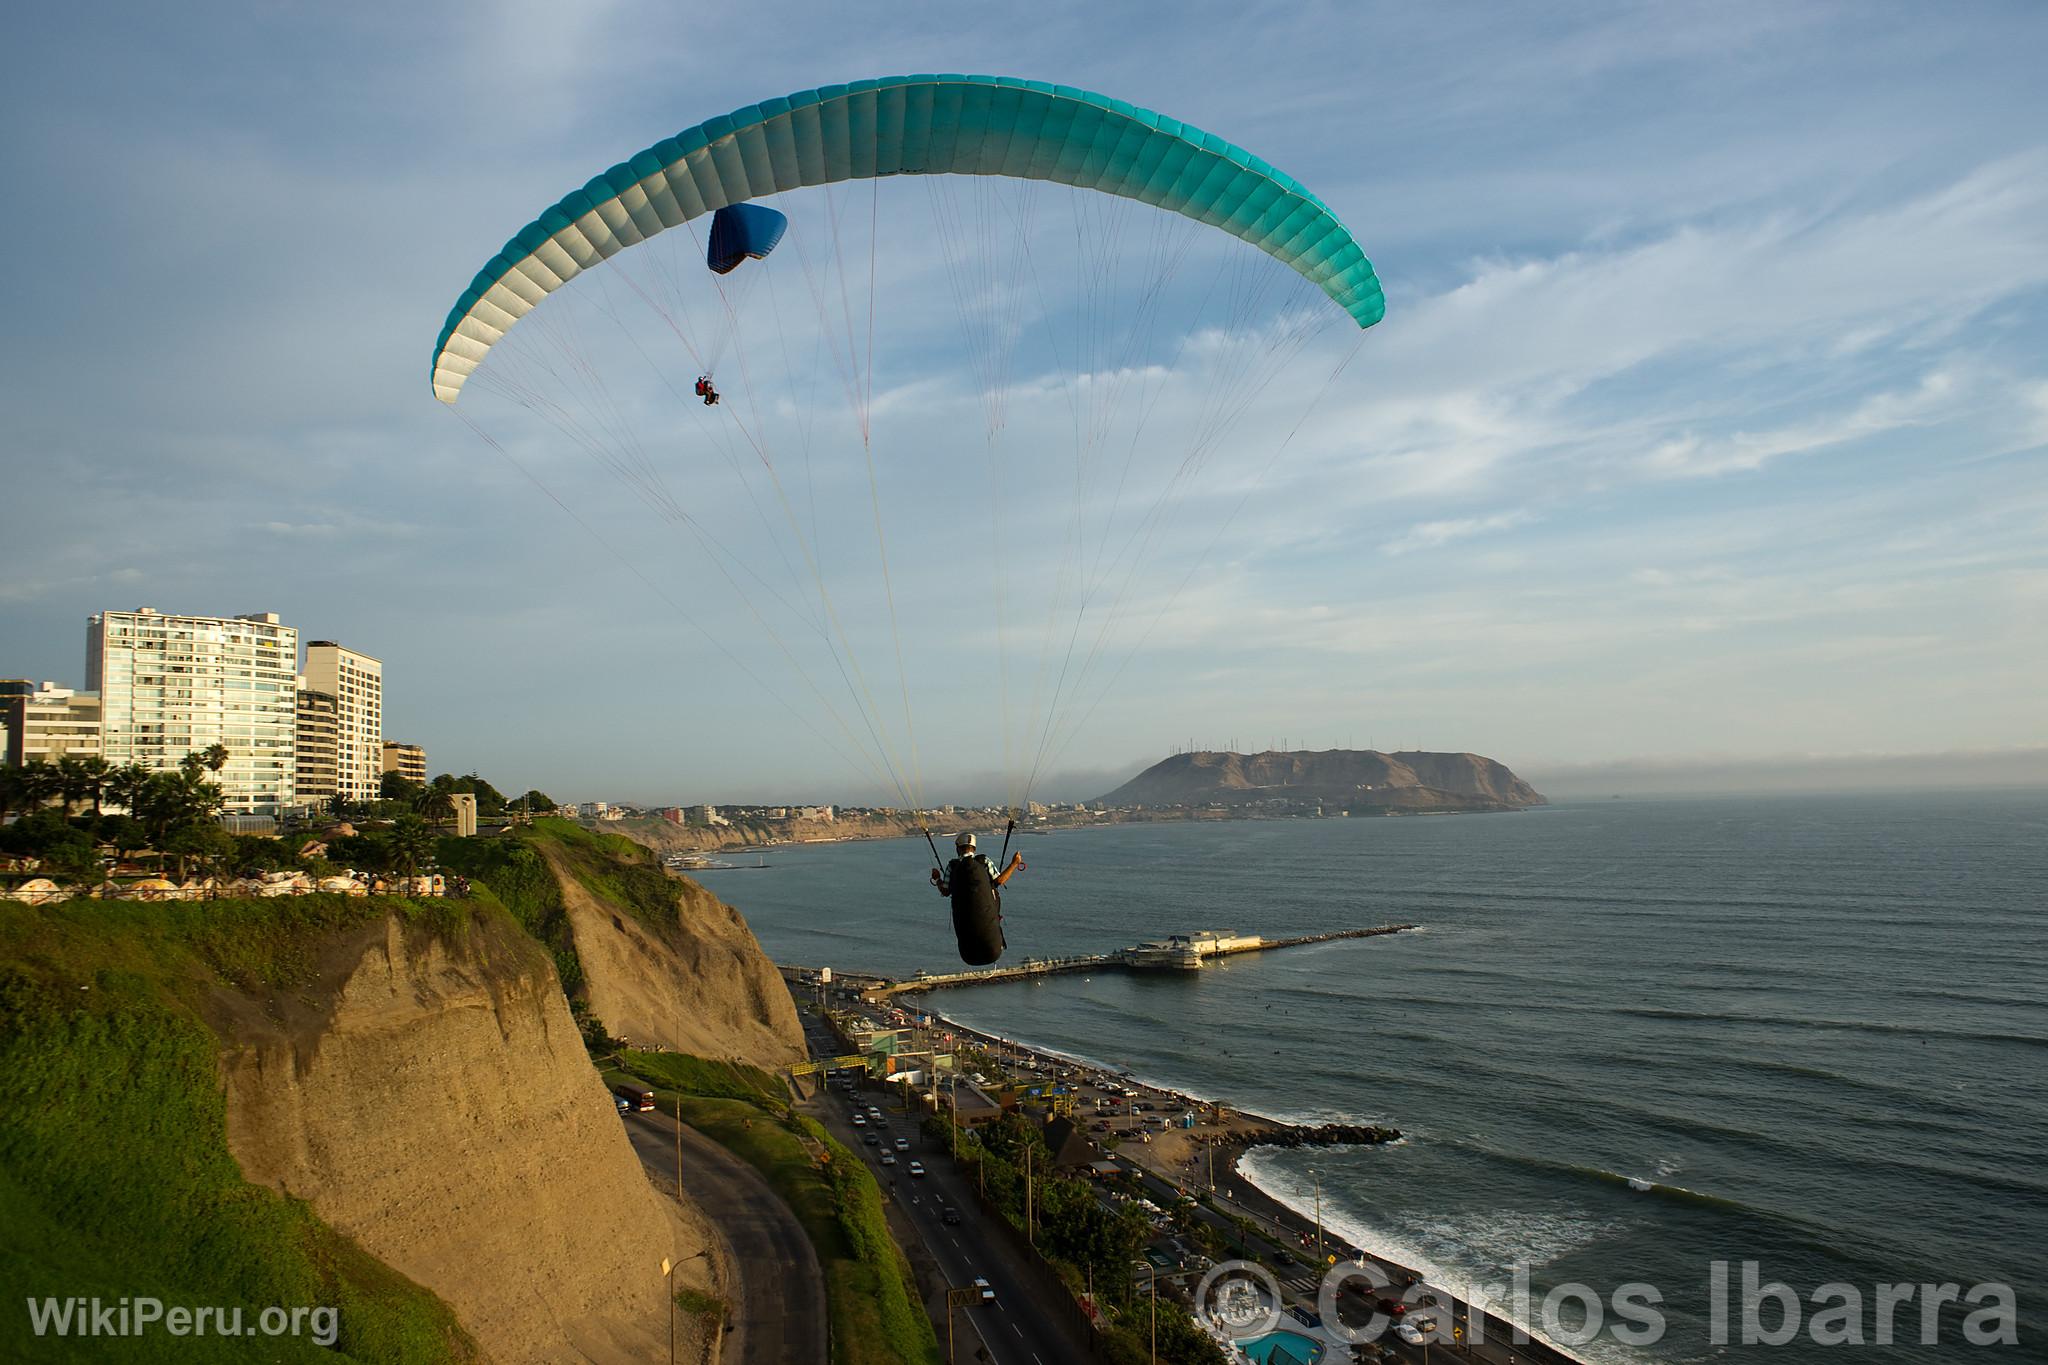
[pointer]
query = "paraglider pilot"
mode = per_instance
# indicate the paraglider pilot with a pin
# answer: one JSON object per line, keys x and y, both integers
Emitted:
{"x": 975, "y": 886}
{"x": 705, "y": 390}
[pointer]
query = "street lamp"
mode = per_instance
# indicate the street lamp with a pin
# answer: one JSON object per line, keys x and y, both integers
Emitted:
{"x": 1152, "y": 1285}
{"x": 1315, "y": 1176}
{"x": 668, "y": 1269}
{"x": 954, "y": 1298}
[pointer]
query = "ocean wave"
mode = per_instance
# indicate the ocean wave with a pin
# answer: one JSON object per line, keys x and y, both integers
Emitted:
{"x": 1875, "y": 1026}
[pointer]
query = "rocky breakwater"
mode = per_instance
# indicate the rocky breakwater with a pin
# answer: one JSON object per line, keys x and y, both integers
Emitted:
{"x": 1321, "y": 1135}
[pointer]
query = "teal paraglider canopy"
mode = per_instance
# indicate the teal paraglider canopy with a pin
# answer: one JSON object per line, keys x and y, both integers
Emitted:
{"x": 909, "y": 125}
{"x": 740, "y": 231}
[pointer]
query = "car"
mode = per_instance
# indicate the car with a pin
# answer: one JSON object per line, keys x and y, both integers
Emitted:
{"x": 950, "y": 1216}
{"x": 1393, "y": 1308}
{"x": 875, "y": 1113}
{"x": 870, "y": 1139}
{"x": 860, "y": 1120}
{"x": 988, "y": 1293}
{"x": 917, "y": 1169}
{"x": 1408, "y": 1332}
{"x": 902, "y": 1144}
{"x": 888, "y": 1158}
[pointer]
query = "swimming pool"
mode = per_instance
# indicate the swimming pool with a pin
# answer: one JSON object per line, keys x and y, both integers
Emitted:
{"x": 1282, "y": 1348}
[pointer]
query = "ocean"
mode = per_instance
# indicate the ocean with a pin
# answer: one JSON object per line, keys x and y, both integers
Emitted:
{"x": 1630, "y": 1040}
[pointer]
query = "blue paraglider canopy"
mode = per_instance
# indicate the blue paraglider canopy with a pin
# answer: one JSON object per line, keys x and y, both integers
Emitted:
{"x": 742, "y": 230}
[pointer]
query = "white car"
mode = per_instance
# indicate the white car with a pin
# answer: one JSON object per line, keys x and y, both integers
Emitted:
{"x": 1408, "y": 1332}
{"x": 917, "y": 1168}
{"x": 988, "y": 1293}
{"x": 888, "y": 1158}
{"x": 860, "y": 1120}
{"x": 902, "y": 1144}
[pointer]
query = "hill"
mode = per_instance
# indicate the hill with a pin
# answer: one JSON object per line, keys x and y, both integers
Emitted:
{"x": 1361, "y": 781}
{"x": 377, "y": 1105}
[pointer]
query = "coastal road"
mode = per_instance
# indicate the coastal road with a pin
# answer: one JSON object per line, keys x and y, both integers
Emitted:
{"x": 780, "y": 1305}
{"x": 1016, "y": 1329}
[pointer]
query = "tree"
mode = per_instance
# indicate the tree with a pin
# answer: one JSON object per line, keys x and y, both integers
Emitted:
{"x": 124, "y": 832}
{"x": 433, "y": 803}
{"x": 412, "y": 845}
{"x": 198, "y": 841}
{"x": 395, "y": 786}
{"x": 36, "y": 785}
{"x": 82, "y": 778}
{"x": 214, "y": 757}
{"x": 489, "y": 800}
{"x": 73, "y": 864}
{"x": 536, "y": 803}
{"x": 173, "y": 802}
{"x": 126, "y": 784}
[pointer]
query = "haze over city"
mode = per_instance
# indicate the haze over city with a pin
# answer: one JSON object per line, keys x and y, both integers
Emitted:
{"x": 1704, "y": 429}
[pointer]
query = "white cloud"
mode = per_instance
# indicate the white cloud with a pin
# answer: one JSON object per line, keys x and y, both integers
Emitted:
{"x": 1430, "y": 534}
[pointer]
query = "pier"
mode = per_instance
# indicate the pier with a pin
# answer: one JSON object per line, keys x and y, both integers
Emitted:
{"x": 1175, "y": 953}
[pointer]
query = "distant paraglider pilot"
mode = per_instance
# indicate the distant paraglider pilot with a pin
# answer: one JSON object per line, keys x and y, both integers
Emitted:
{"x": 975, "y": 886}
{"x": 706, "y": 391}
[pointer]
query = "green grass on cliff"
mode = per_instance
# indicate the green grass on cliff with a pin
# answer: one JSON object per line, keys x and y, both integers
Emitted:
{"x": 115, "y": 1175}
{"x": 705, "y": 1078}
{"x": 613, "y": 867}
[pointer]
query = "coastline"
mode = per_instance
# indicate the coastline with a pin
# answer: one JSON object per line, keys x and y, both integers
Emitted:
{"x": 1188, "y": 1161}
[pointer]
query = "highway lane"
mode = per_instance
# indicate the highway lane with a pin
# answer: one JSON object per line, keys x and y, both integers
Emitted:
{"x": 780, "y": 1308}
{"x": 1016, "y": 1329}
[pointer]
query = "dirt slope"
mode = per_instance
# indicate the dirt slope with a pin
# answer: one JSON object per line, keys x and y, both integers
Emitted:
{"x": 700, "y": 985}
{"x": 436, "y": 1104}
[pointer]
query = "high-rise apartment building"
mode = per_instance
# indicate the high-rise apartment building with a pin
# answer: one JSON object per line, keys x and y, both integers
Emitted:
{"x": 356, "y": 682}
{"x": 319, "y": 735}
{"x": 409, "y": 761}
{"x": 173, "y": 685}
{"x": 43, "y": 724}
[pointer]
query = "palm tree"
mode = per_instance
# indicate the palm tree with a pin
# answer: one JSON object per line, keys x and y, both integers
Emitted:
{"x": 214, "y": 756}
{"x": 39, "y": 784}
{"x": 84, "y": 778}
{"x": 412, "y": 844}
{"x": 433, "y": 803}
{"x": 126, "y": 784}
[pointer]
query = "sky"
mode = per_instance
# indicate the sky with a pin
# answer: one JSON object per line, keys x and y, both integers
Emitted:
{"x": 1708, "y": 424}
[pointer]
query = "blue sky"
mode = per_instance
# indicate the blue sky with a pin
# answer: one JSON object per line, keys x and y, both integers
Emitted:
{"x": 1707, "y": 423}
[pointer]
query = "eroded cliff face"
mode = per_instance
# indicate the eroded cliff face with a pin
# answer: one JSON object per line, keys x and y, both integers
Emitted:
{"x": 701, "y": 985}
{"x": 430, "y": 1096}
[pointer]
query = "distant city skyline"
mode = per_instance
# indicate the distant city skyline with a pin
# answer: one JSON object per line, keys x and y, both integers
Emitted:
{"x": 1704, "y": 435}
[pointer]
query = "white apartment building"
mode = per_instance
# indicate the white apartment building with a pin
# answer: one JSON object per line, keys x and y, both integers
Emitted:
{"x": 356, "y": 682}
{"x": 173, "y": 685}
{"x": 44, "y": 724}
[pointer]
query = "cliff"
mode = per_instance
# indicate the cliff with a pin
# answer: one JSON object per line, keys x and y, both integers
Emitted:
{"x": 428, "y": 1095}
{"x": 667, "y": 964}
{"x": 652, "y": 957}
{"x": 664, "y": 836}
{"x": 1355, "y": 780}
